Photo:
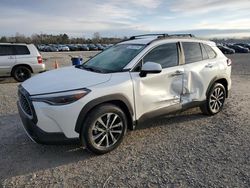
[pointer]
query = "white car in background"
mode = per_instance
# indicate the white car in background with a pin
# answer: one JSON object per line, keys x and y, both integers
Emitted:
{"x": 134, "y": 81}
{"x": 20, "y": 61}
{"x": 63, "y": 48}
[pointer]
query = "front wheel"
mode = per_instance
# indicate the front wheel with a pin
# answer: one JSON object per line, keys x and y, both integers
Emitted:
{"x": 104, "y": 128}
{"x": 215, "y": 100}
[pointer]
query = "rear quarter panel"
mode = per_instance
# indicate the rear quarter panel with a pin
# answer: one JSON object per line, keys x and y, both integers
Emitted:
{"x": 30, "y": 59}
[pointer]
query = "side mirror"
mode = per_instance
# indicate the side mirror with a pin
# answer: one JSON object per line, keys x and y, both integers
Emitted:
{"x": 150, "y": 68}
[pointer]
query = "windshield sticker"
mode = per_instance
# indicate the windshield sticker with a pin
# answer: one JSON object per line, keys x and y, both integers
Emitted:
{"x": 134, "y": 47}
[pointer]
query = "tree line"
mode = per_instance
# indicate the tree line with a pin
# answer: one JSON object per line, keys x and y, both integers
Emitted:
{"x": 59, "y": 39}
{"x": 96, "y": 38}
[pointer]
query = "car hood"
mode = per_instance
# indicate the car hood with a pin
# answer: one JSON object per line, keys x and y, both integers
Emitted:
{"x": 63, "y": 79}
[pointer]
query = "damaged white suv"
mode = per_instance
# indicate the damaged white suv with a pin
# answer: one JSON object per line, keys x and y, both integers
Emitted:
{"x": 136, "y": 80}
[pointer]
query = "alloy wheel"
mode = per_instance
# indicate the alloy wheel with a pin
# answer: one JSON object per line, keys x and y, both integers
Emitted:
{"x": 107, "y": 130}
{"x": 216, "y": 100}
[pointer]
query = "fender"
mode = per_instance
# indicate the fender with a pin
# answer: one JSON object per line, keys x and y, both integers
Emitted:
{"x": 100, "y": 100}
{"x": 212, "y": 83}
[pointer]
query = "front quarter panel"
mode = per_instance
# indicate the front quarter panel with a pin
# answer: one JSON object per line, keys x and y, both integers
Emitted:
{"x": 64, "y": 118}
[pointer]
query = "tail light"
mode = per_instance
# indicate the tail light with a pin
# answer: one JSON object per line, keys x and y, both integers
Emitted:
{"x": 39, "y": 59}
{"x": 229, "y": 62}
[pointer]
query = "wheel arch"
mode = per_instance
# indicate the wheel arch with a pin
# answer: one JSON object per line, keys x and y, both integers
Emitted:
{"x": 116, "y": 99}
{"x": 220, "y": 80}
{"x": 21, "y": 65}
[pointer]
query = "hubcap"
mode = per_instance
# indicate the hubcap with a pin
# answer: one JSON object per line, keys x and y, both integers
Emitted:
{"x": 216, "y": 100}
{"x": 106, "y": 130}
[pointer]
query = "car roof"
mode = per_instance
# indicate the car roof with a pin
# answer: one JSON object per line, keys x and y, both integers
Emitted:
{"x": 151, "y": 39}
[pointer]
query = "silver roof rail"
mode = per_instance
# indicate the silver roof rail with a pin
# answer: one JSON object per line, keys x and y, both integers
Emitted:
{"x": 161, "y": 35}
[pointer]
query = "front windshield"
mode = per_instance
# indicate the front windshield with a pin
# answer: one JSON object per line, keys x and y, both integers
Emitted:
{"x": 114, "y": 59}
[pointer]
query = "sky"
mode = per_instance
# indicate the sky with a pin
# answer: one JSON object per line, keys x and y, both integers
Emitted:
{"x": 118, "y": 18}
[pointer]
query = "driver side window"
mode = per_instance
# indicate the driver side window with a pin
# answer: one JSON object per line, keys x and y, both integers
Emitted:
{"x": 166, "y": 55}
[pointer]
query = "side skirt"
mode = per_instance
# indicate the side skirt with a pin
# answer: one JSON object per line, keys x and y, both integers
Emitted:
{"x": 151, "y": 116}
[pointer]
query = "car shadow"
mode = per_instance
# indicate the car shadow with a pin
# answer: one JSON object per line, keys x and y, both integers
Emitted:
{"x": 19, "y": 155}
{"x": 179, "y": 117}
{"x": 5, "y": 80}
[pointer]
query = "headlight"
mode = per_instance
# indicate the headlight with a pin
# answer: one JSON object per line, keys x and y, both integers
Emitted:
{"x": 61, "y": 98}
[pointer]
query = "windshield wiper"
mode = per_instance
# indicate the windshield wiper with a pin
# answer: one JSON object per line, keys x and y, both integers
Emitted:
{"x": 92, "y": 69}
{"x": 89, "y": 68}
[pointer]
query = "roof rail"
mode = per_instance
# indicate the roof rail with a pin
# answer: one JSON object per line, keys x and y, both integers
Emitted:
{"x": 147, "y": 35}
{"x": 181, "y": 35}
{"x": 161, "y": 35}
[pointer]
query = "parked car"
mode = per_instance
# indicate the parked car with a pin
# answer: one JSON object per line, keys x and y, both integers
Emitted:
{"x": 100, "y": 47}
{"x": 73, "y": 47}
{"x": 63, "y": 48}
{"x": 92, "y": 47}
{"x": 106, "y": 46}
{"x": 50, "y": 48}
{"x": 20, "y": 61}
{"x": 238, "y": 49}
{"x": 244, "y": 45}
{"x": 41, "y": 47}
{"x": 226, "y": 50}
{"x": 130, "y": 83}
{"x": 83, "y": 47}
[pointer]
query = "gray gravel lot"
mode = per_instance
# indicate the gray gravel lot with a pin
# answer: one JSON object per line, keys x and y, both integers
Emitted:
{"x": 183, "y": 150}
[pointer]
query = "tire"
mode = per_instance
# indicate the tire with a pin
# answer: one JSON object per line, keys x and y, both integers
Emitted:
{"x": 21, "y": 73}
{"x": 101, "y": 135}
{"x": 215, "y": 100}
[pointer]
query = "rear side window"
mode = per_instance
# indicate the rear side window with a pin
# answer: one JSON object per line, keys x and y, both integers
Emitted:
{"x": 166, "y": 55}
{"x": 6, "y": 50}
{"x": 192, "y": 51}
{"x": 210, "y": 52}
{"x": 21, "y": 50}
{"x": 204, "y": 52}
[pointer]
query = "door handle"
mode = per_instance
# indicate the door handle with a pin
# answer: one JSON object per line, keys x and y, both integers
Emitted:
{"x": 178, "y": 73}
{"x": 209, "y": 65}
{"x": 10, "y": 57}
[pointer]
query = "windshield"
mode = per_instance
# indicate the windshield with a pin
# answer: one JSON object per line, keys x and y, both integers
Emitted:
{"x": 113, "y": 59}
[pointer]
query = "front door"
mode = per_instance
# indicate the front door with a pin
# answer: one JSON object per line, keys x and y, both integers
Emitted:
{"x": 156, "y": 93}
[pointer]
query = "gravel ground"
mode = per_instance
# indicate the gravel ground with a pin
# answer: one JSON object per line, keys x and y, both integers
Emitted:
{"x": 184, "y": 150}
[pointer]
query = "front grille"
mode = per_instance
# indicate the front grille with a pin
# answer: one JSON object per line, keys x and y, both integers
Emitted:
{"x": 24, "y": 103}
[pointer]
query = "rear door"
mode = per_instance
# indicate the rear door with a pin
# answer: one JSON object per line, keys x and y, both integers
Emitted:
{"x": 23, "y": 55}
{"x": 199, "y": 69}
{"x": 156, "y": 93}
{"x": 7, "y": 59}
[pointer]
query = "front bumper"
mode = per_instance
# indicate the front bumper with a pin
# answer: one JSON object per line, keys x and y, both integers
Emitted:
{"x": 38, "y": 135}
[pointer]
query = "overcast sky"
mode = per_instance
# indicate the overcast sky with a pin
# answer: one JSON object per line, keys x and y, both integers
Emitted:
{"x": 125, "y": 17}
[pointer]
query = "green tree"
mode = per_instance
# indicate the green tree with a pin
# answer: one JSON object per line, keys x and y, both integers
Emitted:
{"x": 3, "y": 39}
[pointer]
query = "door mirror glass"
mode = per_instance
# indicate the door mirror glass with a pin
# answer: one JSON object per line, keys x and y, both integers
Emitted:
{"x": 150, "y": 68}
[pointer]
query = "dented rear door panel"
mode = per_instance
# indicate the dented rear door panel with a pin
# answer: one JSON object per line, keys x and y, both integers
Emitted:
{"x": 196, "y": 78}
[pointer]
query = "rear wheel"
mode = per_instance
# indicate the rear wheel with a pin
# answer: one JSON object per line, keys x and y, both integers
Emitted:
{"x": 215, "y": 100}
{"x": 21, "y": 73}
{"x": 104, "y": 128}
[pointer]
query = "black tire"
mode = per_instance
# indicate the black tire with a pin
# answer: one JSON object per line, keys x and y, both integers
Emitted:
{"x": 214, "y": 103}
{"x": 93, "y": 132}
{"x": 21, "y": 73}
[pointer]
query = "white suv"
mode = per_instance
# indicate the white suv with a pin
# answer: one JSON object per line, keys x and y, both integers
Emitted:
{"x": 20, "y": 61}
{"x": 132, "y": 82}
